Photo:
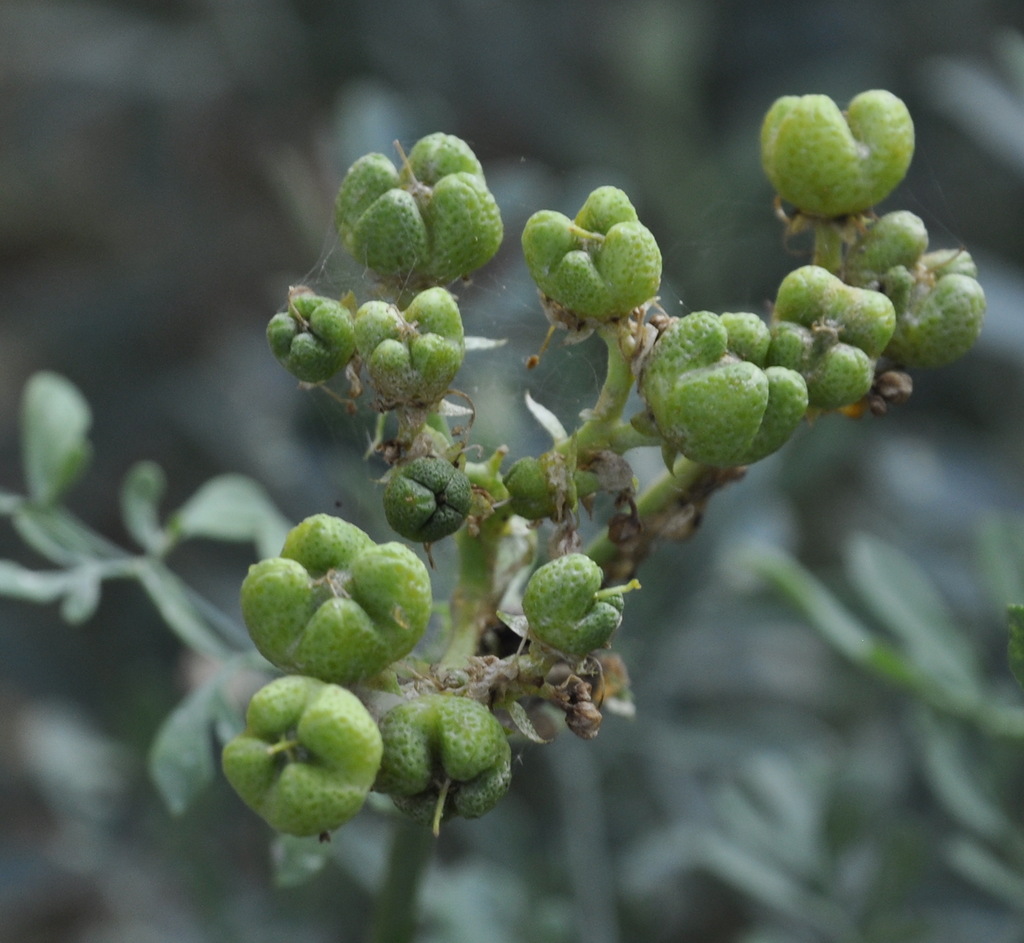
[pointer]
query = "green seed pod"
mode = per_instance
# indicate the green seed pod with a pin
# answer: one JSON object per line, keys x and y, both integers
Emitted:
{"x": 814, "y": 297}
{"x": 314, "y": 338}
{"x": 366, "y": 181}
{"x": 748, "y": 336}
{"x": 307, "y": 758}
{"x": 322, "y": 543}
{"x": 564, "y": 608}
{"x": 530, "y": 492}
{"x": 829, "y": 164}
{"x": 427, "y": 499}
{"x": 605, "y": 207}
{"x": 443, "y": 742}
{"x": 541, "y": 487}
{"x": 600, "y": 265}
{"x": 465, "y": 227}
{"x": 896, "y": 239}
{"x": 939, "y": 305}
{"x": 412, "y": 356}
{"x": 940, "y": 322}
{"x": 831, "y": 333}
{"x": 435, "y": 220}
{"x": 836, "y": 374}
{"x": 335, "y": 605}
{"x": 437, "y": 156}
{"x": 709, "y": 405}
{"x": 391, "y": 237}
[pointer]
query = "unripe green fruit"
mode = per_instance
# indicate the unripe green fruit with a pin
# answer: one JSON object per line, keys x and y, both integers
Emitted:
{"x": 335, "y": 605}
{"x": 530, "y": 492}
{"x": 940, "y": 322}
{"x": 365, "y": 182}
{"x": 322, "y": 542}
{"x": 541, "y": 487}
{"x": 748, "y": 336}
{"x": 439, "y": 738}
{"x": 830, "y": 333}
{"x": 313, "y": 339}
{"x": 600, "y": 265}
{"x": 391, "y": 237}
{"x": 427, "y": 499}
{"x": 439, "y": 155}
{"x": 434, "y": 219}
{"x": 938, "y": 302}
{"x": 830, "y": 164}
{"x": 836, "y": 374}
{"x": 307, "y": 758}
{"x": 896, "y": 239}
{"x": 563, "y": 608}
{"x": 939, "y": 305}
{"x": 814, "y": 297}
{"x": 711, "y": 406}
{"x": 412, "y": 356}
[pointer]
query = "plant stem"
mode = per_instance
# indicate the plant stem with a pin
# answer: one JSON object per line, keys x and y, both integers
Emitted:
{"x": 618, "y": 380}
{"x": 603, "y": 428}
{"x": 469, "y": 599}
{"x": 670, "y": 509}
{"x": 477, "y": 593}
{"x": 828, "y": 246}
{"x": 394, "y": 920}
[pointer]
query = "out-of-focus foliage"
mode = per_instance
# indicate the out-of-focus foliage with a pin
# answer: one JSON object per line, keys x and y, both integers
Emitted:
{"x": 169, "y": 170}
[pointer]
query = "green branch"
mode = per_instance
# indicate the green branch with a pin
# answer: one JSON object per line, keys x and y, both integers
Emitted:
{"x": 394, "y": 918}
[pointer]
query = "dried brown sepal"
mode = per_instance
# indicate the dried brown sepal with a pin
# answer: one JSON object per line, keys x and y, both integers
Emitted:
{"x": 573, "y": 695}
{"x": 678, "y": 520}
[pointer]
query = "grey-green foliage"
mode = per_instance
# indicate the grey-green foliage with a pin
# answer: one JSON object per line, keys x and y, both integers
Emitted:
{"x": 966, "y": 725}
{"x": 751, "y": 675}
{"x": 55, "y": 422}
{"x": 772, "y": 804}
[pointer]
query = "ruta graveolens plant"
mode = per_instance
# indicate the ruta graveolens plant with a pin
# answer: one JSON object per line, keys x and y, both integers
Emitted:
{"x": 358, "y": 705}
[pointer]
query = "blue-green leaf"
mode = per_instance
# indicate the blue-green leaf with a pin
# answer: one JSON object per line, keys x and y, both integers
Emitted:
{"x": 902, "y": 598}
{"x": 1000, "y": 555}
{"x": 836, "y": 624}
{"x": 178, "y": 610}
{"x": 55, "y": 420}
{"x": 141, "y": 492}
{"x": 10, "y": 501}
{"x": 37, "y": 586}
{"x": 83, "y": 594}
{"x": 1015, "y": 615}
{"x": 765, "y": 881}
{"x": 952, "y": 772}
{"x": 984, "y": 869}
{"x": 839, "y": 626}
{"x": 60, "y": 537}
{"x": 232, "y": 507}
{"x": 181, "y": 760}
{"x": 77, "y": 588}
{"x": 296, "y": 860}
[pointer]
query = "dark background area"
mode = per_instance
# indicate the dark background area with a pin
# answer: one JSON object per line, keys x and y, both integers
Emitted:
{"x": 167, "y": 170}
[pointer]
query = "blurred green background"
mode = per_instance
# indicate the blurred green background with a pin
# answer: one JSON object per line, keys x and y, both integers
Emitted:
{"x": 167, "y": 170}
